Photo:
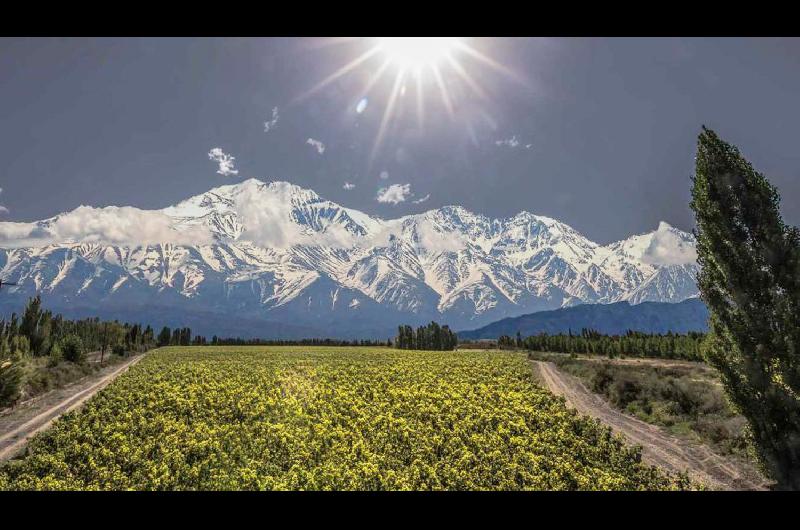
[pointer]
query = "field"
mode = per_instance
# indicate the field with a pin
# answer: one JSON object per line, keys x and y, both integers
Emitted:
{"x": 305, "y": 418}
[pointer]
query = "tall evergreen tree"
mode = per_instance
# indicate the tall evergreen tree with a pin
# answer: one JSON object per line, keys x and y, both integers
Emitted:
{"x": 164, "y": 336}
{"x": 430, "y": 337}
{"x": 750, "y": 280}
{"x": 31, "y": 316}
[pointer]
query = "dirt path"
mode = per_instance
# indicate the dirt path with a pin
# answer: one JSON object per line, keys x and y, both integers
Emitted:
{"x": 658, "y": 447}
{"x": 19, "y": 425}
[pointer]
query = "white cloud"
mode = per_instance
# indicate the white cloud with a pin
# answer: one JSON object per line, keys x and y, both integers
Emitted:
{"x": 17, "y": 234}
{"x": 668, "y": 247}
{"x": 383, "y": 234}
{"x": 434, "y": 241}
{"x": 225, "y": 162}
{"x": 271, "y": 124}
{"x": 266, "y": 225}
{"x": 269, "y": 223}
{"x": 112, "y": 225}
{"x": 384, "y": 175}
{"x": 512, "y": 142}
{"x": 395, "y": 194}
{"x": 422, "y": 199}
{"x": 428, "y": 237}
{"x": 508, "y": 142}
{"x": 3, "y": 209}
{"x": 319, "y": 146}
{"x": 348, "y": 186}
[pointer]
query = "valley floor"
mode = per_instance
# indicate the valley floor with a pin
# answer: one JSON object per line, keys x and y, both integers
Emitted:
{"x": 410, "y": 377}
{"x": 659, "y": 447}
{"x": 305, "y": 418}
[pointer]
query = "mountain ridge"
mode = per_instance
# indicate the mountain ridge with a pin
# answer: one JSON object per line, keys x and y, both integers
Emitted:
{"x": 612, "y": 319}
{"x": 276, "y": 251}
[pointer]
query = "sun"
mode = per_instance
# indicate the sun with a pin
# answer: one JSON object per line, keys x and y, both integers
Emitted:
{"x": 426, "y": 64}
{"x": 415, "y": 53}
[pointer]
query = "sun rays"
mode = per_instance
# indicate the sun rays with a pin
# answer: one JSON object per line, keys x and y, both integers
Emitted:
{"x": 421, "y": 65}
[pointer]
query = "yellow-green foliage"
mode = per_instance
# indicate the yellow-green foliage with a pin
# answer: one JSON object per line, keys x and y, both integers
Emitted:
{"x": 328, "y": 418}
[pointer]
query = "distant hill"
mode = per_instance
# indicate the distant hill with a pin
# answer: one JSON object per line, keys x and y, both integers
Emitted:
{"x": 649, "y": 317}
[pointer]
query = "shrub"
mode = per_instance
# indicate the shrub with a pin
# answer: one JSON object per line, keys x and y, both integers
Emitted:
{"x": 601, "y": 380}
{"x": 72, "y": 348}
{"x": 56, "y": 354}
{"x": 623, "y": 391}
{"x": 10, "y": 379}
{"x": 118, "y": 349}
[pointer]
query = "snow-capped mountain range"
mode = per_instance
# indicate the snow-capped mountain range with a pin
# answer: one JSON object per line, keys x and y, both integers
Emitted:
{"x": 283, "y": 259}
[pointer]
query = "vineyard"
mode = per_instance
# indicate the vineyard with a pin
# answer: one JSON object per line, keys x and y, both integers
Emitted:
{"x": 317, "y": 418}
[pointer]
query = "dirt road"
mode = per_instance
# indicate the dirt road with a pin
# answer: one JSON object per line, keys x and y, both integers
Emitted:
{"x": 658, "y": 447}
{"x": 19, "y": 425}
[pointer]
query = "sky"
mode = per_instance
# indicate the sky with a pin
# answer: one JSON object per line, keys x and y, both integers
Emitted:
{"x": 598, "y": 133}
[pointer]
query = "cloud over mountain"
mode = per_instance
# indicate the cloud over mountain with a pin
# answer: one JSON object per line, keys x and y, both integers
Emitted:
{"x": 669, "y": 247}
{"x": 394, "y": 194}
{"x": 111, "y": 225}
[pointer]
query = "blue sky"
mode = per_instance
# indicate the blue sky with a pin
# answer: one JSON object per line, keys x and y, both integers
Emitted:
{"x": 598, "y": 133}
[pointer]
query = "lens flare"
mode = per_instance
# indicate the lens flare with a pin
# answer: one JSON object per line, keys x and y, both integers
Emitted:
{"x": 420, "y": 65}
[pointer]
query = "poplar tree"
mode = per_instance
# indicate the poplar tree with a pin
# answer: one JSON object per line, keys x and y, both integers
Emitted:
{"x": 164, "y": 336}
{"x": 750, "y": 281}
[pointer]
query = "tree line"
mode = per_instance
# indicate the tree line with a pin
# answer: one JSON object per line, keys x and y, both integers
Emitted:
{"x": 430, "y": 337}
{"x": 37, "y": 332}
{"x": 176, "y": 337}
{"x": 632, "y": 343}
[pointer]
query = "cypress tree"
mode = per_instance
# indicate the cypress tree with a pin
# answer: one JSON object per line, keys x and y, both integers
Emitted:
{"x": 750, "y": 279}
{"x": 163, "y": 336}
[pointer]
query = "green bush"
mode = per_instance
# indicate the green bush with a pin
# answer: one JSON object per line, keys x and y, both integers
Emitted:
{"x": 10, "y": 379}
{"x": 56, "y": 354}
{"x": 624, "y": 390}
{"x": 118, "y": 349}
{"x": 73, "y": 350}
{"x": 601, "y": 380}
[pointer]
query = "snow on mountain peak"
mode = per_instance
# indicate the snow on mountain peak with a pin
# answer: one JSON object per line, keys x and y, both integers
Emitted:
{"x": 262, "y": 246}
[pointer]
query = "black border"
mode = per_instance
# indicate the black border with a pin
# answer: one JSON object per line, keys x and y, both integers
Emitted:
{"x": 359, "y": 18}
